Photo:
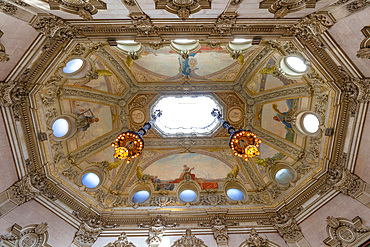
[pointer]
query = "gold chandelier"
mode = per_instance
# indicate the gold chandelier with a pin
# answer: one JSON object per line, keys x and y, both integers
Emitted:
{"x": 130, "y": 144}
{"x": 244, "y": 143}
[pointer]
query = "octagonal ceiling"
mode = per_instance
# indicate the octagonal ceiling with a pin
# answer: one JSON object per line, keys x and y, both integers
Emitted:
{"x": 100, "y": 100}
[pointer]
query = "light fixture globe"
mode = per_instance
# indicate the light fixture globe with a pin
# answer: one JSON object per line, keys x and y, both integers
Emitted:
{"x": 243, "y": 142}
{"x": 130, "y": 144}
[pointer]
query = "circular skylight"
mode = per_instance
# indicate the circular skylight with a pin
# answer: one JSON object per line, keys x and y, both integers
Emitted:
{"x": 90, "y": 180}
{"x": 60, "y": 127}
{"x": 311, "y": 123}
{"x": 73, "y": 66}
{"x": 284, "y": 176}
{"x": 235, "y": 194}
{"x": 296, "y": 64}
{"x": 140, "y": 196}
{"x": 186, "y": 115}
{"x": 188, "y": 195}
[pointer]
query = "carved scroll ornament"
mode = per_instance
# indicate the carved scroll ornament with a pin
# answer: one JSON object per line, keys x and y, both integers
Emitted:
{"x": 183, "y": 8}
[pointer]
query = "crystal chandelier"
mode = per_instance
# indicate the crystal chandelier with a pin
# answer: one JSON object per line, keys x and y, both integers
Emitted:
{"x": 130, "y": 144}
{"x": 244, "y": 143}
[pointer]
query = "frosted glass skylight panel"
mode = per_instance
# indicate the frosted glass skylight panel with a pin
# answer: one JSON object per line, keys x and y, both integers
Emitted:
{"x": 140, "y": 196}
{"x": 90, "y": 180}
{"x": 60, "y": 127}
{"x": 284, "y": 176}
{"x": 235, "y": 194}
{"x": 188, "y": 195}
{"x": 73, "y": 65}
{"x": 186, "y": 115}
{"x": 311, "y": 123}
{"x": 296, "y": 64}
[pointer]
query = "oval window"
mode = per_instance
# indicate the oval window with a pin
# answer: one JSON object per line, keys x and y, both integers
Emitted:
{"x": 90, "y": 180}
{"x": 311, "y": 123}
{"x": 284, "y": 176}
{"x": 235, "y": 194}
{"x": 73, "y": 66}
{"x": 296, "y": 64}
{"x": 188, "y": 195}
{"x": 60, "y": 127}
{"x": 140, "y": 196}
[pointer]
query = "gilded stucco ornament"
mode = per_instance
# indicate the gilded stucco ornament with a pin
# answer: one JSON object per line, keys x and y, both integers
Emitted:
{"x": 54, "y": 28}
{"x": 35, "y": 235}
{"x": 86, "y": 235}
{"x": 224, "y": 24}
{"x": 84, "y": 8}
{"x": 8, "y": 8}
{"x": 281, "y": 8}
{"x": 3, "y": 56}
{"x": 157, "y": 227}
{"x": 311, "y": 26}
{"x": 345, "y": 232}
{"x": 364, "y": 51}
{"x": 183, "y": 8}
{"x": 188, "y": 240}
{"x": 219, "y": 225}
{"x": 122, "y": 241}
{"x": 143, "y": 24}
{"x": 254, "y": 240}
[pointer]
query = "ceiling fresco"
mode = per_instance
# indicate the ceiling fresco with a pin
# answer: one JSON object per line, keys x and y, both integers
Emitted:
{"x": 108, "y": 97}
{"x": 268, "y": 76}
{"x": 205, "y": 65}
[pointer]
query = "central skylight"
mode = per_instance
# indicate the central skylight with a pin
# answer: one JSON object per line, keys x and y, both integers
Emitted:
{"x": 186, "y": 115}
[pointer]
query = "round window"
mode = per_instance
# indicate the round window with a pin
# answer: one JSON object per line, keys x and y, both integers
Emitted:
{"x": 60, "y": 127}
{"x": 140, "y": 196}
{"x": 90, "y": 180}
{"x": 188, "y": 195}
{"x": 311, "y": 123}
{"x": 73, "y": 66}
{"x": 235, "y": 194}
{"x": 284, "y": 176}
{"x": 296, "y": 64}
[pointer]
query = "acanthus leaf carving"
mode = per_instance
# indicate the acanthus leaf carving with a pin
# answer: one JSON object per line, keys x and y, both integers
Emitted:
{"x": 34, "y": 235}
{"x": 54, "y": 28}
{"x": 188, "y": 240}
{"x": 156, "y": 229}
{"x": 84, "y": 8}
{"x": 22, "y": 191}
{"x": 224, "y": 24}
{"x": 345, "y": 232}
{"x": 122, "y": 241}
{"x": 312, "y": 26}
{"x": 219, "y": 225}
{"x": 143, "y": 24}
{"x": 364, "y": 51}
{"x": 254, "y": 240}
{"x": 8, "y": 8}
{"x": 183, "y": 8}
{"x": 86, "y": 235}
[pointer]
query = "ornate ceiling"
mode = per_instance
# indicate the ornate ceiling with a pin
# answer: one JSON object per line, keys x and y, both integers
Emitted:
{"x": 117, "y": 89}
